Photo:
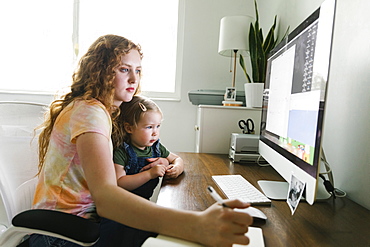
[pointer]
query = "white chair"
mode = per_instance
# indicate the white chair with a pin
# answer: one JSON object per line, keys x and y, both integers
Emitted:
{"x": 18, "y": 155}
{"x": 18, "y": 169}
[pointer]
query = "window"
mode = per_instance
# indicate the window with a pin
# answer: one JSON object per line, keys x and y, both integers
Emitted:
{"x": 43, "y": 40}
{"x": 35, "y": 45}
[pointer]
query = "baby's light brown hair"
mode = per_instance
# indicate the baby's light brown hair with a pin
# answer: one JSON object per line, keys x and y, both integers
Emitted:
{"x": 133, "y": 111}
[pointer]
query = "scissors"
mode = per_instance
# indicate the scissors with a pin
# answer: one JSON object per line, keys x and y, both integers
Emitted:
{"x": 247, "y": 126}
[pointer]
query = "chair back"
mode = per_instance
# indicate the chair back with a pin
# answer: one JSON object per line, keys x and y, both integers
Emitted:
{"x": 18, "y": 156}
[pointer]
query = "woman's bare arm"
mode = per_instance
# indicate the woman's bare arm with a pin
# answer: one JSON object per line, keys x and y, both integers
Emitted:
{"x": 216, "y": 226}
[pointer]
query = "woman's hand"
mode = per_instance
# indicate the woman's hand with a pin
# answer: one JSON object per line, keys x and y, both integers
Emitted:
{"x": 155, "y": 161}
{"x": 221, "y": 226}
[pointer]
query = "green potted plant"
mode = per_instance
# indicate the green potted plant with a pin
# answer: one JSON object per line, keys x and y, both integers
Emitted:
{"x": 259, "y": 48}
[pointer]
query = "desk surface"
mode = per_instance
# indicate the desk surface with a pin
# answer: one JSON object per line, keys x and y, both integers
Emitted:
{"x": 339, "y": 222}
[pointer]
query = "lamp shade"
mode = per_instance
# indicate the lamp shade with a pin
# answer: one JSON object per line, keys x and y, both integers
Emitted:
{"x": 234, "y": 32}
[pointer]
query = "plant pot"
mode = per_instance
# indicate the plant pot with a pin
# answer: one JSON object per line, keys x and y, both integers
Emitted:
{"x": 253, "y": 94}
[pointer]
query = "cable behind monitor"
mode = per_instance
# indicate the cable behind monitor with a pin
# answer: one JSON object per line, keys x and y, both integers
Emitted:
{"x": 329, "y": 184}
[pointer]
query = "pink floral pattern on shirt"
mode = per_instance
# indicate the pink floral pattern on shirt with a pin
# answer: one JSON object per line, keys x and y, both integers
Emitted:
{"x": 62, "y": 184}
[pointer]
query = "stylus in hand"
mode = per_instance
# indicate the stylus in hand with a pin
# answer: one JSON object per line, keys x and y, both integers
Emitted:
{"x": 216, "y": 196}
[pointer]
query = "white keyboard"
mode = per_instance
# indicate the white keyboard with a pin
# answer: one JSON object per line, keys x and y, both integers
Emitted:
{"x": 237, "y": 187}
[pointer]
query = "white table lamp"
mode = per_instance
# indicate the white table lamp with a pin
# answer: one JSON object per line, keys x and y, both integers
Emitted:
{"x": 233, "y": 40}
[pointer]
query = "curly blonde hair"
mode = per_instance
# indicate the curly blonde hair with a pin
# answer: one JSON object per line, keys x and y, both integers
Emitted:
{"x": 93, "y": 79}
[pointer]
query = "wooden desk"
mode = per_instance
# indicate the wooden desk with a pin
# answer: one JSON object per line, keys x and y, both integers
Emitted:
{"x": 339, "y": 222}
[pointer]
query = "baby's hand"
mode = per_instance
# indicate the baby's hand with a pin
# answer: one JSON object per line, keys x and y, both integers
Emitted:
{"x": 173, "y": 171}
{"x": 157, "y": 171}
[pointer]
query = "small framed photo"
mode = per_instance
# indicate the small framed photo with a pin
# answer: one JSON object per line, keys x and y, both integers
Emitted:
{"x": 295, "y": 192}
{"x": 230, "y": 94}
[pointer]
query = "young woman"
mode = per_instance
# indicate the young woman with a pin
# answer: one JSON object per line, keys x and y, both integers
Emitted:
{"x": 76, "y": 170}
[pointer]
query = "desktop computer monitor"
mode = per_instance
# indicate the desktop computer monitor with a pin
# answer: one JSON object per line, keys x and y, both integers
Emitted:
{"x": 294, "y": 103}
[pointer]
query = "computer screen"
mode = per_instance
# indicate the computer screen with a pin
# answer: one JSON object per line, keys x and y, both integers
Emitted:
{"x": 294, "y": 100}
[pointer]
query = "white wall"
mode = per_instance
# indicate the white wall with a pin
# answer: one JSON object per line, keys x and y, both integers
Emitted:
{"x": 347, "y": 131}
{"x": 202, "y": 67}
{"x": 347, "y": 128}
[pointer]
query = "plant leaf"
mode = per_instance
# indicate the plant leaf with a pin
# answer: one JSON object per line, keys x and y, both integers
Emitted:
{"x": 254, "y": 50}
{"x": 256, "y": 10}
{"x": 259, "y": 48}
{"x": 270, "y": 42}
{"x": 284, "y": 36}
{"x": 242, "y": 64}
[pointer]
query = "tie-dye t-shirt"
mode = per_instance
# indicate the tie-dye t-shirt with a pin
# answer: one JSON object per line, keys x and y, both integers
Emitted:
{"x": 62, "y": 184}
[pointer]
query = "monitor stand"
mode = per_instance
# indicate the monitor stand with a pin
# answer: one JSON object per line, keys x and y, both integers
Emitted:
{"x": 277, "y": 190}
{"x": 274, "y": 190}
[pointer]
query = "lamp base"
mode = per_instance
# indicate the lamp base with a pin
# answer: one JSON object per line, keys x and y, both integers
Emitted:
{"x": 232, "y": 103}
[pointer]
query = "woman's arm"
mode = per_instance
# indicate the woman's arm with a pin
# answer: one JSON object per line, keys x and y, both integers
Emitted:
{"x": 216, "y": 226}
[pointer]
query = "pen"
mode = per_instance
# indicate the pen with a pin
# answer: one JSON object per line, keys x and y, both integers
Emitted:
{"x": 216, "y": 196}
